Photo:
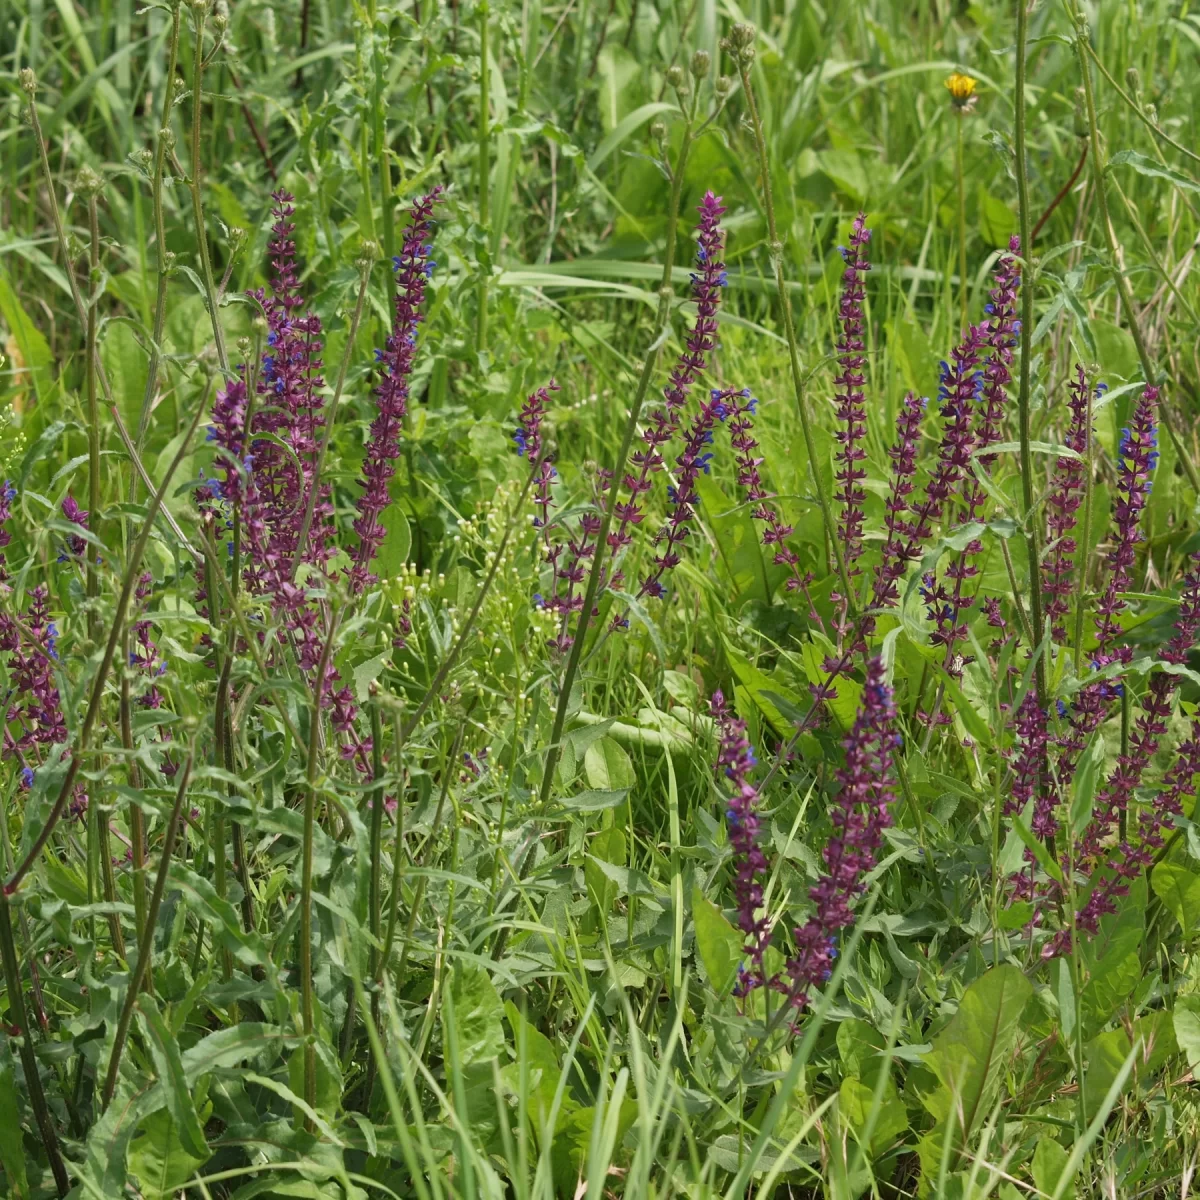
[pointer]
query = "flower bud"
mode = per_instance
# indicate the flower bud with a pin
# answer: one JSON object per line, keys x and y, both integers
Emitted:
{"x": 88, "y": 182}
{"x": 1133, "y": 81}
{"x": 676, "y": 79}
{"x": 28, "y": 81}
{"x": 658, "y": 131}
{"x": 701, "y": 61}
{"x": 742, "y": 35}
{"x": 724, "y": 86}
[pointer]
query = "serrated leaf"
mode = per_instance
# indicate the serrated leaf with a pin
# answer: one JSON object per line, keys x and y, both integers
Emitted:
{"x": 477, "y": 1015}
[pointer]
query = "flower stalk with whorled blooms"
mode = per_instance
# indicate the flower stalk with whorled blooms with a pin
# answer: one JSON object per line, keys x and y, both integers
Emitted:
{"x": 413, "y": 269}
{"x": 860, "y": 815}
{"x": 735, "y": 759}
{"x": 707, "y": 281}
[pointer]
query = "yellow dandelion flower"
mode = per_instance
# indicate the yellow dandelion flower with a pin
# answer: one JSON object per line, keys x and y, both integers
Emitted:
{"x": 962, "y": 90}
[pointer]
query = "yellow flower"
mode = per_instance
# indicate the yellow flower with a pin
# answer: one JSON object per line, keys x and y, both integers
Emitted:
{"x": 962, "y": 91}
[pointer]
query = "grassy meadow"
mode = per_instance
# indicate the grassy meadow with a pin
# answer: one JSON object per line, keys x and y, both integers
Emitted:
{"x": 371, "y": 822}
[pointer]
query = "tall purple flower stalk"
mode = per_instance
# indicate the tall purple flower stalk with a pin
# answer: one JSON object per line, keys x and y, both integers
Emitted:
{"x": 707, "y": 281}
{"x": 850, "y": 397}
{"x": 76, "y": 546}
{"x": 290, "y": 407}
{"x": 736, "y": 760}
{"x": 1137, "y": 456}
{"x": 413, "y": 269}
{"x": 748, "y": 463}
{"x": 683, "y": 496}
{"x": 1062, "y": 506}
{"x": 1032, "y": 779}
{"x": 1001, "y": 330}
{"x": 861, "y": 814}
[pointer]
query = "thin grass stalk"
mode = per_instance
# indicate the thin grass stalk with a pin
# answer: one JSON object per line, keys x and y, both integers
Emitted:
{"x": 622, "y": 457}
{"x": 1085, "y": 537}
{"x": 745, "y": 57}
{"x": 29, "y": 1064}
{"x": 1115, "y": 251}
{"x": 959, "y": 118}
{"x": 91, "y": 183}
{"x": 199, "y": 11}
{"x": 163, "y": 139}
{"x": 28, "y": 83}
{"x": 146, "y": 945}
{"x": 114, "y": 637}
{"x": 137, "y": 820}
{"x": 484, "y": 135}
{"x": 307, "y": 1005}
{"x": 1028, "y": 282}
{"x": 379, "y": 134}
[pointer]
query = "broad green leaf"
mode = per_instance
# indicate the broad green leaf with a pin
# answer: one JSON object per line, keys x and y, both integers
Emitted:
{"x": 1186, "y": 1019}
{"x": 1049, "y": 1162}
{"x": 1152, "y": 167}
{"x": 126, "y": 365}
{"x": 970, "y": 1054}
{"x": 536, "y": 1060}
{"x": 607, "y": 766}
{"x": 1111, "y": 958}
{"x": 12, "y": 1152}
{"x": 157, "y": 1158}
{"x": 1154, "y": 1036}
{"x": 397, "y": 542}
{"x": 608, "y": 846}
{"x": 168, "y": 1063}
{"x": 739, "y": 551}
{"x": 856, "y": 1099}
{"x": 1179, "y": 889}
{"x": 720, "y": 945}
{"x": 33, "y": 347}
{"x": 594, "y": 801}
{"x": 477, "y": 1014}
{"x": 625, "y": 128}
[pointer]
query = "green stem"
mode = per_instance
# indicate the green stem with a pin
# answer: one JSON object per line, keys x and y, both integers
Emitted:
{"x": 164, "y": 256}
{"x": 635, "y": 411}
{"x": 137, "y": 821}
{"x": 210, "y": 290}
{"x": 1116, "y": 255}
{"x": 789, "y": 329}
{"x": 307, "y": 1007}
{"x": 92, "y": 551}
{"x": 1032, "y": 540}
{"x": 146, "y": 945}
{"x": 29, "y": 1063}
{"x": 484, "y": 173}
{"x": 959, "y": 118}
{"x": 376, "y": 794}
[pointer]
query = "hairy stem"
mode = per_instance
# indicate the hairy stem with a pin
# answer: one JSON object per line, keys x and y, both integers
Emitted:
{"x": 145, "y": 946}
{"x": 1032, "y": 540}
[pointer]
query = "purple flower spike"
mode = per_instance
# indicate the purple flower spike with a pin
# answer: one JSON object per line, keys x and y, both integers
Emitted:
{"x": 1001, "y": 330}
{"x": 861, "y": 814}
{"x": 76, "y": 546}
{"x": 707, "y": 281}
{"x": 691, "y": 463}
{"x": 1062, "y": 507}
{"x": 290, "y": 407}
{"x": 850, "y": 398}
{"x": 383, "y": 447}
{"x": 735, "y": 759}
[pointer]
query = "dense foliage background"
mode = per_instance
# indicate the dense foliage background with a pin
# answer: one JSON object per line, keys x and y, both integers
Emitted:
{"x": 528, "y": 992}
